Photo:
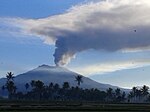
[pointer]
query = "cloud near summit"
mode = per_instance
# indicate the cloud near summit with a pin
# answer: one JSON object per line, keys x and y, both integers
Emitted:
{"x": 111, "y": 25}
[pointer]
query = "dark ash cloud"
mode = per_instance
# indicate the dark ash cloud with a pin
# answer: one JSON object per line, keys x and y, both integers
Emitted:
{"x": 111, "y": 25}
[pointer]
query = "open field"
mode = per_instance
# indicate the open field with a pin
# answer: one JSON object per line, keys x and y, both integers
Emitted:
{"x": 71, "y": 106}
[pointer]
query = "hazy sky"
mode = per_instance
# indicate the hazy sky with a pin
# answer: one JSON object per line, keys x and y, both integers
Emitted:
{"x": 108, "y": 41}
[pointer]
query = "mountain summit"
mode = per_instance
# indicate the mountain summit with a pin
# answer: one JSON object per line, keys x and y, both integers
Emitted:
{"x": 54, "y": 74}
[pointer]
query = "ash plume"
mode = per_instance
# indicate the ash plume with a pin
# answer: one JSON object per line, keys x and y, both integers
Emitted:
{"x": 111, "y": 25}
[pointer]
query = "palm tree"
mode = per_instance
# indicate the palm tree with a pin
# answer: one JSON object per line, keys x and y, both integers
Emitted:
{"x": 32, "y": 83}
{"x": 51, "y": 85}
{"x": 109, "y": 93}
{"x": 56, "y": 86}
{"x": 118, "y": 95}
{"x": 10, "y": 86}
{"x": 118, "y": 92}
{"x": 79, "y": 79}
{"x": 66, "y": 85}
{"x": 130, "y": 96}
{"x": 123, "y": 96}
{"x": 138, "y": 94}
{"x": 10, "y": 76}
{"x": 134, "y": 91}
{"x": 145, "y": 90}
{"x": 27, "y": 86}
{"x": 38, "y": 88}
{"x": 39, "y": 85}
{"x": 15, "y": 89}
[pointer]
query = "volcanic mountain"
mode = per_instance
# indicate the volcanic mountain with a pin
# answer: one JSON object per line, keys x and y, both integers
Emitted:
{"x": 54, "y": 74}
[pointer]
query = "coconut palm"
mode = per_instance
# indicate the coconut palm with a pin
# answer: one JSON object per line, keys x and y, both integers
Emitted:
{"x": 27, "y": 86}
{"x": 10, "y": 76}
{"x": 66, "y": 85}
{"x": 123, "y": 96}
{"x": 38, "y": 88}
{"x": 118, "y": 92}
{"x": 79, "y": 79}
{"x": 32, "y": 83}
{"x": 39, "y": 85}
{"x": 51, "y": 85}
{"x": 109, "y": 92}
{"x": 134, "y": 90}
{"x": 10, "y": 86}
{"x": 56, "y": 86}
{"x": 130, "y": 96}
{"x": 138, "y": 94}
{"x": 144, "y": 90}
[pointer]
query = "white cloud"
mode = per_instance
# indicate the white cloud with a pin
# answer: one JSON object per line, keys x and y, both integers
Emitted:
{"x": 110, "y": 67}
{"x": 122, "y": 15}
{"x": 109, "y": 25}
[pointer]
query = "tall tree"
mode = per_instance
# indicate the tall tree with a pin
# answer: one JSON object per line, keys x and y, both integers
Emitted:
{"x": 10, "y": 86}
{"x": 51, "y": 85}
{"x": 66, "y": 85}
{"x": 123, "y": 96}
{"x": 145, "y": 90}
{"x": 32, "y": 83}
{"x": 118, "y": 92}
{"x": 118, "y": 95}
{"x": 39, "y": 85}
{"x": 130, "y": 96}
{"x": 56, "y": 86}
{"x": 134, "y": 89}
{"x": 27, "y": 86}
{"x": 79, "y": 79}
{"x": 38, "y": 88}
{"x": 138, "y": 94}
{"x": 10, "y": 76}
{"x": 109, "y": 94}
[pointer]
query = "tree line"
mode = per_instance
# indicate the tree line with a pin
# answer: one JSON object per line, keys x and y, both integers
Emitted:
{"x": 37, "y": 90}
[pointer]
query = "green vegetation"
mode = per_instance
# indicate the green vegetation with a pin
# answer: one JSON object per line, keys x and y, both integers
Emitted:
{"x": 59, "y": 106}
{"x": 37, "y": 91}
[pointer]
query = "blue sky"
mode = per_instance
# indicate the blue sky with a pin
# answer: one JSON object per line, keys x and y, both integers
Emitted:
{"x": 24, "y": 52}
{"x": 21, "y": 49}
{"x": 34, "y": 8}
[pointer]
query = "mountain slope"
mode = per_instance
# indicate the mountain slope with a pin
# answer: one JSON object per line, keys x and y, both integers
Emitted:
{"x": 49, "y": 74}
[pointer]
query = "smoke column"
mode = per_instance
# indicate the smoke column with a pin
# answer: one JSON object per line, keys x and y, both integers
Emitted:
{"x": 111, "y": 25}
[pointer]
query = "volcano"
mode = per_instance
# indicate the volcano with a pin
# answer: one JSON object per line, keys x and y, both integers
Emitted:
{"x": 55, "y": 74}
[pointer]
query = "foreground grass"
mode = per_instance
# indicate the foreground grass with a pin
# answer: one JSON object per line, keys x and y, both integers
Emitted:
{"x": 28, "y": 106}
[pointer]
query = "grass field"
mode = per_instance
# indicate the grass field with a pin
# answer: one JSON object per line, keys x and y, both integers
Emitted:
{"x": 15, "y": 106}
